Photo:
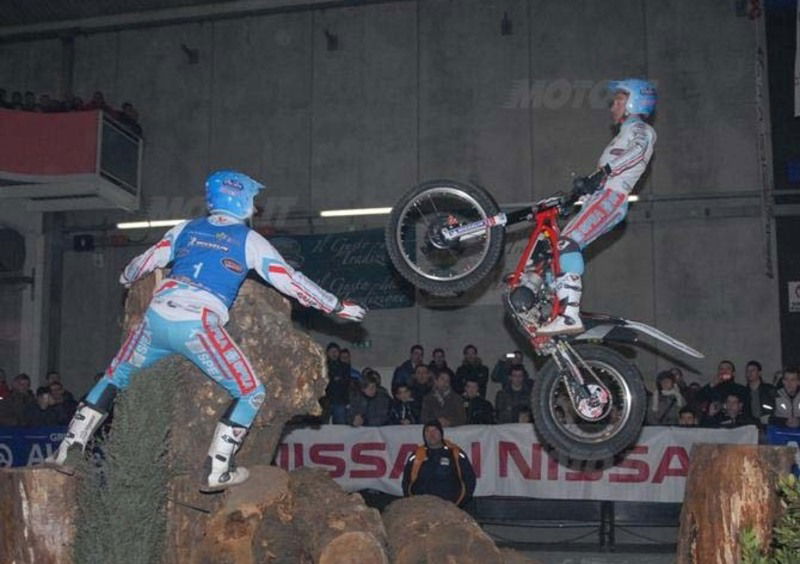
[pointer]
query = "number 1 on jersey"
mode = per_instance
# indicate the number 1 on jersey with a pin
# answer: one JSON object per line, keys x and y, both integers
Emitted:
{"x": 197, "y": 267}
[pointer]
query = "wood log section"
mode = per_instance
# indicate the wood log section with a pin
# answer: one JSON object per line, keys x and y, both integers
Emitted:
{"x": 730, "y": 488}
{"x": 230, "y": 532}
{"x": 37, "y": 516}
{"x": 429, "y": 529}
{"x": 289, "y": 363}
{"x": 300, "y": 517}
{"x": 335, "y": 527}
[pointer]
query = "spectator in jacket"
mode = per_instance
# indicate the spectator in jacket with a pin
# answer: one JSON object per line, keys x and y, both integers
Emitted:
{"x": 344, "y": 358}
{"x": 687, "y": 417}
{"x": 443, "y": 404}
{"x": 337, "y": 393}
{"x": 479, "y": 411}
{"x": 721, "y": 385}
{"x": 502, "y": 368}
{"x": 787, "y": 401}
{"x": 63, "y": 406}
{"x": 760, "y": 395}
{"x": 55, "y": 376}
{"x": 404, "y": 410}
{"x": 515, "y": 395}
{"x": 41, "y": 413}
{"x": 421, "y": 385}
{"x": 680, "y": 381}
{"x": 402, "y": 374}
{"x": 471, "y": 369}
{"x": 21, "y": 399}
{"x": 369, "y": 407}
{"x": 733, "y": 414}
{"x": 666, "y": 402}
{"x": 439, "y": 468}
{"x": 439, "y": 362}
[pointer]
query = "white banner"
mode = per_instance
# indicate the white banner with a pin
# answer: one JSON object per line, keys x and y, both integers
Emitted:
{"x": 508, "y": 460}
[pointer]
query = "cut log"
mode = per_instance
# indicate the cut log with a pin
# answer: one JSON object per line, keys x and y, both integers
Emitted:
{"x": 230, "y": 531}
{"x": 37, "y": 516}
{"x": 429, "y": 529}
{"x": 335, "y": 527}
{"x": 730, "y": 488}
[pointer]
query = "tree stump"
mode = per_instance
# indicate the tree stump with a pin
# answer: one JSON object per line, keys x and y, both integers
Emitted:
{"x": 333, "y": 527}
{"x": 729, "y": 488}
{"x": 37, "y": 516}
{"x": 429, "y": 529}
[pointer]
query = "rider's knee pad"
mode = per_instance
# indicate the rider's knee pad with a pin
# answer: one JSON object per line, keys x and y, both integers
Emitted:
{"x": 571, "y": 258}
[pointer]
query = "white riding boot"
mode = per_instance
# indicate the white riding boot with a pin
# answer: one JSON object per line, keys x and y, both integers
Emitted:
{"x": 568, "y": 322}
{"x": 223, "y": 472}
{"x": 83, "y": 425}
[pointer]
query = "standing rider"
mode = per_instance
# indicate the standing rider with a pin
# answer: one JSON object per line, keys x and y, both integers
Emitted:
{"x": 621, "y": 164}
{"x": 210, "y": 256}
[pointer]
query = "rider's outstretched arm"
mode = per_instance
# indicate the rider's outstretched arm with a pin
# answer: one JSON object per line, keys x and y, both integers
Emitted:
{"x": 270, "y": 265}
{"x": 157, "y": 256}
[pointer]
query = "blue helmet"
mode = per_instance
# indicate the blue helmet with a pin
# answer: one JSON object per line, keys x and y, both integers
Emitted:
{"x": 641, "y": 93}
{"x": 231, "y": 193}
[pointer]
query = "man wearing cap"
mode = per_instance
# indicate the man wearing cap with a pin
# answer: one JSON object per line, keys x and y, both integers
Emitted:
{"x": 439, "y": 467}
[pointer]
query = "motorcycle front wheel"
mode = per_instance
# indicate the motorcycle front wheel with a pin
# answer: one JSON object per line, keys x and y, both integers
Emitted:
{"x": 423, "y": 256}
{"x": 562, "y": 427}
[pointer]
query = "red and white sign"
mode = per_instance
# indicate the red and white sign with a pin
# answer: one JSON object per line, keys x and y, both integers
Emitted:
{"x": 508, "y": 460}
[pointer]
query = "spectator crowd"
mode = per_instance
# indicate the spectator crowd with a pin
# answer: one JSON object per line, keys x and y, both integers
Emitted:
{"x": 127, "y": 115}
{"x": 421, "y": 391}
{"x": 51, "y": 405}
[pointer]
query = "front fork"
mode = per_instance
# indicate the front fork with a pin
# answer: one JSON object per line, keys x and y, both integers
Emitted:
{"x": 590, "y": 397}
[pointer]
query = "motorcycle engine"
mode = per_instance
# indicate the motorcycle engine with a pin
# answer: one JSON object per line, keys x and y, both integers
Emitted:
{"x": 529, "y": 300}
{"x": 522, "y": 299}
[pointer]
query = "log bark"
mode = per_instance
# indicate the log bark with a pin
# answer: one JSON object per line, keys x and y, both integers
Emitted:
{"x": 334, "y": 526}
{"x": 37, "y": 516}
{"x": 289, "y": 363}
{"x": 429, "y": 529}
{"x": 729, "y": 488}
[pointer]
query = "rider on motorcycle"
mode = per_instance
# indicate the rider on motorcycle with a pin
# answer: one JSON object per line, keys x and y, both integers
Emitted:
{"x": 606, "y": 192}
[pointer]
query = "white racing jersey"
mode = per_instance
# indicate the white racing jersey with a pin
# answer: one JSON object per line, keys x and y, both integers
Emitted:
{"x": 628, "y": 154}
{"x": 207, "y": 272}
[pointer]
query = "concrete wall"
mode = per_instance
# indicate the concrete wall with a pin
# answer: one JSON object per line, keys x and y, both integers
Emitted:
{"x": 418, "y": 90}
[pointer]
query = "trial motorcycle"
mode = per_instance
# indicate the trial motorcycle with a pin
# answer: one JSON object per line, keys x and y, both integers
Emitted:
{"x": 588, "y": 401}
